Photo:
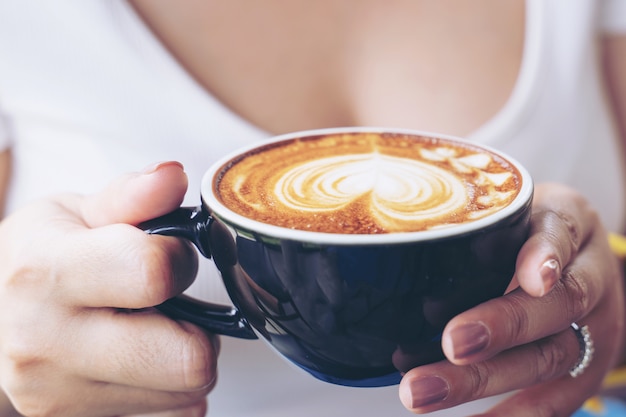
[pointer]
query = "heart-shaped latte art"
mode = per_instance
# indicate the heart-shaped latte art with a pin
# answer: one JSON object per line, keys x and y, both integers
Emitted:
{"x": 396, "y": 189}
{"x": 367, "y": 184}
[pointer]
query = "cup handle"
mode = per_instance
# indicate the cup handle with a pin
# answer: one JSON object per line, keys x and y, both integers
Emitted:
{"x": 195, "y": 224}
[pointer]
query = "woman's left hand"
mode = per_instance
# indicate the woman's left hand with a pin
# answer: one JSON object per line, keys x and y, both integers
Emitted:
{"x": 566, "y": 273}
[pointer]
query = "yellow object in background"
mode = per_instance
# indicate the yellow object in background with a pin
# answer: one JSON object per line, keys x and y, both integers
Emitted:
{"x": 595, "y": 406}
{"x": 618, "y": 244}
{"x": 616, "y": 379}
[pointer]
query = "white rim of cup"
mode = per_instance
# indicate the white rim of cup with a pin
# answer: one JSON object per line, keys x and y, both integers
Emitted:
{"x": 268, "y": 230}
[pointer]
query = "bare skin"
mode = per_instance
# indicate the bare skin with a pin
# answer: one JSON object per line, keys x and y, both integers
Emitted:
{"x": 5, "y": 176}
{"x": 614, "y": 64}
{"x": 335, "y": 73}
{"x": 338, "y": 71}
{"x": 146, "y": 362}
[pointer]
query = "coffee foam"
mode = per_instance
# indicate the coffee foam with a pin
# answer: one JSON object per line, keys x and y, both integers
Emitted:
{"x": 367, "y": 183}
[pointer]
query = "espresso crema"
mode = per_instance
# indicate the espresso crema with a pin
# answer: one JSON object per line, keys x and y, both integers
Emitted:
{"x": 367, "y": 183}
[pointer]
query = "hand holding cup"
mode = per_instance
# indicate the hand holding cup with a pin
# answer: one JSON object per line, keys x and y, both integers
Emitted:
{"x": 77, "y": 280}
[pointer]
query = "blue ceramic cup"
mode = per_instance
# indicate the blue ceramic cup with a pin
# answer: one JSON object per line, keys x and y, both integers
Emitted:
{"x": 350, "y": 309}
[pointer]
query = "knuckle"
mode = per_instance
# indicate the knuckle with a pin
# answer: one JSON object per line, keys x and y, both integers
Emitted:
{"x": 478, "y": 379}
{"x": 516, "y": 312}
{"x": 33, "y": 407}
{"x": 21, "y": 352}
{"x": 17, "y": 379}
{"x": 577, "y": 295}
{"x": 551, "y": 362}
{"x": 563, "y": 221}
{"x": 572, "y": 227}
{"x": 19, "y": 360}
{"x": 23, "y": 272}
{"x": 31, "y": 402}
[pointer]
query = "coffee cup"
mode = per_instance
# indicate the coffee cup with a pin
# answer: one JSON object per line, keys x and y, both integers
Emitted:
{"x": 349, "y": 249}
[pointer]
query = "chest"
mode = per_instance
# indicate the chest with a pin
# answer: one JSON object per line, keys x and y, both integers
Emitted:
{"x": 444, "y": 66}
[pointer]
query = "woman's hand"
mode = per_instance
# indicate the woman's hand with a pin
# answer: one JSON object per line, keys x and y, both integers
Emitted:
{"x": 78, "y": 336}
{"x": 523, "y": 340}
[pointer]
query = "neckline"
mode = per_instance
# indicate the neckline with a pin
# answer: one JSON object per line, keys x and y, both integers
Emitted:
{"x": 515, "y": 110}
{"x": 496, "y": 129}
{"x": 150, "y": 46}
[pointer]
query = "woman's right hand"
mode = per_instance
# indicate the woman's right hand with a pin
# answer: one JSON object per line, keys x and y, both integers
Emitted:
{"x": 78, "y": 336}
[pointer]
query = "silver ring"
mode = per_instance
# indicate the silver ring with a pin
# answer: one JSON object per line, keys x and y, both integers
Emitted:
{"x": 586, "y": 350}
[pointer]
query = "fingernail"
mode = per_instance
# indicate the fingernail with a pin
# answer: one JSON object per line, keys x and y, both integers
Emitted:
{"x": 424, "y": 391}
{"x": 469, "y": 339}
{"x": 152, "y": 168}
{"x": 550, "y": 272}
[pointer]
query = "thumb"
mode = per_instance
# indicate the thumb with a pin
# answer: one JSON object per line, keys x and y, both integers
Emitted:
{"x": 137, "y": 197}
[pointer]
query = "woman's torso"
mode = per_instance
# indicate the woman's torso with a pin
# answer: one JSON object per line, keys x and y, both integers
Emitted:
{"x": 437, "y": 66}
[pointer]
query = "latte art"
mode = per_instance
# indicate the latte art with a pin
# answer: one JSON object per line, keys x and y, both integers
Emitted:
{"x": 367, "y": 183}
{"x": 398, "y": 190}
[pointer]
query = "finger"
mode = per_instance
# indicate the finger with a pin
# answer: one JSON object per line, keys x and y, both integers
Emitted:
{"x": 543, "y": 366}
{"x": 97, "y": 399}
{"x": 444, "y": 385}
{"x": 141, "y": 270}
{"x": 43, "y": 379}
{"x": 562, "y": 222}
{"x": 197, "y": 410}
{"x": 144, "y": 350}
{"x": 176, "y": 404}
{"x": 119, "y": 266}
{"x": 561, "y": 397}
{"x": 518, "y": 318}
{"x": 137, "y": 197}
{"x": 545, "y": 400}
